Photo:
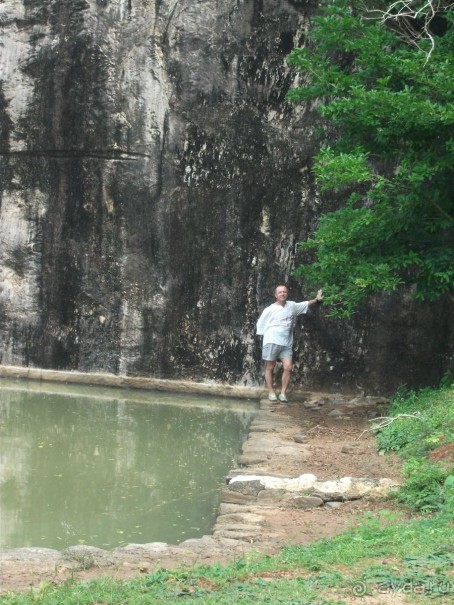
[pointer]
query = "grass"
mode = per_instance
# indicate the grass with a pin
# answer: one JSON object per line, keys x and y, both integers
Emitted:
{"x": 432, "y": 426}
{"x": 387, "y": 554}
{"x": 424, "y": 438}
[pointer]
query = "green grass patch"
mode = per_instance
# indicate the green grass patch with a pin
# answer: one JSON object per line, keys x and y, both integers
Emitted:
{"x": 421, "y": 431}
{"x": 372, "y": 538}
{"x": 428, "y": 422}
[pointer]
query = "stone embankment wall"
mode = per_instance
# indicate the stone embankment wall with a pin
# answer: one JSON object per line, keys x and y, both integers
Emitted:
{"x": 154, "y": 185}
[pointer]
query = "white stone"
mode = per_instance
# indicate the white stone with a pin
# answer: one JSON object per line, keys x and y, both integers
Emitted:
{"x": 297, "y": 484}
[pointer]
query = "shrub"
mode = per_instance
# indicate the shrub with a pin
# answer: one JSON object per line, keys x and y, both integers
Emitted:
{"x": 428, "y": 486}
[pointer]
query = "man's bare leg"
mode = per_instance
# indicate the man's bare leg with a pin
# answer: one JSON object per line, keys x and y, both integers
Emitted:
{"x": 287, "y": 365}
{"x": 269, "y": 369}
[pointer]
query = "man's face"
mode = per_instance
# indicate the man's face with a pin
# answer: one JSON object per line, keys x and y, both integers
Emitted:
{"x": 281, "y": 294}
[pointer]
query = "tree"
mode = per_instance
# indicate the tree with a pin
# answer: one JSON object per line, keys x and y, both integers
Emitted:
{"x": 385, "y": 91}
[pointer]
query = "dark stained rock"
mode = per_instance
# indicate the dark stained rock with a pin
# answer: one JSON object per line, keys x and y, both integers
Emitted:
{"x": 154, "y": 185}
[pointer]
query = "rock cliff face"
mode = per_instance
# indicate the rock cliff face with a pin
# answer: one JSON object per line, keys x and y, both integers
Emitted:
{"x": 154, "y": 185}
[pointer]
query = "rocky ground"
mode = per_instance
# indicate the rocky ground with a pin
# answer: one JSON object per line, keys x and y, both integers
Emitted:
{"x": 261, "y": 509}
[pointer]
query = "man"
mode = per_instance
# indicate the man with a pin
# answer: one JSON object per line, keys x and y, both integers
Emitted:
{"x": 276, "y": 325}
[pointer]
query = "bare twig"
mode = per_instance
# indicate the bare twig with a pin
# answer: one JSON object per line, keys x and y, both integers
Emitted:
{"x": 405, "y": 16}
{"x": 321, "y": 428}
{"x": 387, "y": 420}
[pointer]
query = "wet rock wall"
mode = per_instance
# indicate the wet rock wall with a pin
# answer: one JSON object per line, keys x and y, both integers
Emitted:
{"x": 154, "y": 185}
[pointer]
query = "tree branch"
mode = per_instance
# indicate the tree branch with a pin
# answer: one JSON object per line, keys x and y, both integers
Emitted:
{"x": 403, "y": 15}
{"x": 387, "y": 420}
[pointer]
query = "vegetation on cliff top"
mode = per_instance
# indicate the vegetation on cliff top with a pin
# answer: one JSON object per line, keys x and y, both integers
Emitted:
{"x": 384, "y": 87}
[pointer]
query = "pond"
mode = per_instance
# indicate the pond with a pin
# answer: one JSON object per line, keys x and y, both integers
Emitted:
{"x": 107, "y": 467}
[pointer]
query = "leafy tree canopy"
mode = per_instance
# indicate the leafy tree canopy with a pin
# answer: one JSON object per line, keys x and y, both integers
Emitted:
{"x": 385, "y": 89}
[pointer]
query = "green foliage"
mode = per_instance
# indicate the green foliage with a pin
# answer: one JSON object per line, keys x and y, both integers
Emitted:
{"x": 428, "y": 486}
{"x": 418, "y": 572}
{"x": 423, "y": 422}
{"x": 431, "y": 428}
{"x": 389, "y": 108}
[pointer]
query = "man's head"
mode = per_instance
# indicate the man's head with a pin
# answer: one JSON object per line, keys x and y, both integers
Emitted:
{"x": 281, "y": 293}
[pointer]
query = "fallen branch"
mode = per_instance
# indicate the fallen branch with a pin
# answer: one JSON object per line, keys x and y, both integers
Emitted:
{"x": 321, "y": 428}
{"x": 390, "y": 419}
{"x": 387, "y": 420}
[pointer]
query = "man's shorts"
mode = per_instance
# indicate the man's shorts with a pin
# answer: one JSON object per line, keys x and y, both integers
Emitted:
{"x": 272, "y": 352}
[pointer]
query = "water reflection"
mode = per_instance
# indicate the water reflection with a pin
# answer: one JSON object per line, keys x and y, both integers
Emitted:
{"x": 107, "y": 467}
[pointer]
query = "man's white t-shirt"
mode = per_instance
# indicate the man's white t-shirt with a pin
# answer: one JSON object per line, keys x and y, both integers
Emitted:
{"x": 277, "y": 321}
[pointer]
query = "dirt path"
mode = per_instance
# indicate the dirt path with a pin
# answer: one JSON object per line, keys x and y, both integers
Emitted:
{"x": 336, "y": 448}
{"x": 333, "y": 448}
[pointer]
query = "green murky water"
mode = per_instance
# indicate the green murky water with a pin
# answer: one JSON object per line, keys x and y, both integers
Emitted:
{"x": 105, "y": 467}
